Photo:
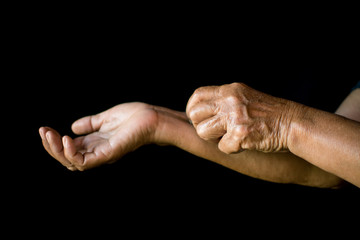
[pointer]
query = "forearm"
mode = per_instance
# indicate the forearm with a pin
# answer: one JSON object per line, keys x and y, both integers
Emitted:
{"x": 174, "y": 129}
{"x": 328, "y": 141}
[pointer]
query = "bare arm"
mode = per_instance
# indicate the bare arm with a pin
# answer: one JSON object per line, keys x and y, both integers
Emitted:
{"x": 174, "y": 129}
{"x": 330, "y": 141}
{"x": 242, "y": 118}
{"x": 107, "y": 136}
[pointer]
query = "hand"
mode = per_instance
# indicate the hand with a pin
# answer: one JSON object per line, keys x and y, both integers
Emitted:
{"x": 108, "y": 136}
{"x": 240, "y": 117}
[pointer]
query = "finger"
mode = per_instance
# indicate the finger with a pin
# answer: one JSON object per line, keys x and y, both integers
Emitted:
{"x": 212, "y": 128}
{"x": 71, "y": 153}
{"x": 79, "y": 143}
{"x": 201, "y": 112}
{"x": 93, "y": 159}
{"x": 56, "y": 147}
{"x": 54, "y": 140}
{"x": 202, "y": 94}
{"x": 87, "y": 124}
{"x": 42, "y": 132}
{"x": 231, "y": 141}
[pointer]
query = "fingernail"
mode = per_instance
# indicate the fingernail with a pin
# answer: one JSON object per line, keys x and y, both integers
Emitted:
{"x": 64, "y": 140}
{"x": 48, "y": 136}
{"x": 41, "y": 133}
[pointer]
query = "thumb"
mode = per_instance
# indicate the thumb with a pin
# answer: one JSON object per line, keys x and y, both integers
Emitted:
{"x": 87, "y": 124}
{"x": 230, "y": 143}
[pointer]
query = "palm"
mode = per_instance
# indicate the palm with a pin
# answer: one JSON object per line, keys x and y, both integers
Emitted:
{"x": 106, "y": 136}
{"x": 122, "y": 129}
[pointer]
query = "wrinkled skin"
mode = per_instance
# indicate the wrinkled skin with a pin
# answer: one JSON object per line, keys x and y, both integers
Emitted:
{"x": 240, "y": 118}
{"x": 323, "y": 147}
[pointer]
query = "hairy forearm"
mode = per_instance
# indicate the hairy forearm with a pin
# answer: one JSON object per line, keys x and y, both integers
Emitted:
{"x": 327, "y": 140}
{"x": 174, "y": 129}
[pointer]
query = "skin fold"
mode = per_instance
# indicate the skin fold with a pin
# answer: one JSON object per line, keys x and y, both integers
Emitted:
{"x": 246, "y": 119}
{"x": 233, "y": 125}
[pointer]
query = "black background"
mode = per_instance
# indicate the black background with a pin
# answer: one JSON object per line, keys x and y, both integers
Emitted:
{"x": 63, "y": 70}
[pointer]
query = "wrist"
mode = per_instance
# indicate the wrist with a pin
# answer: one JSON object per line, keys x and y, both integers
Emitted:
{"x": 168, "y": 126}
{"x": 297, "y": 117}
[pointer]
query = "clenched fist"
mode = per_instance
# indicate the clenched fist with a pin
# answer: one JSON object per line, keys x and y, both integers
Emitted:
{"x": 240, "y": 118}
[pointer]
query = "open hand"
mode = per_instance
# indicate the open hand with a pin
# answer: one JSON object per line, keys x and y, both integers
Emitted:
{"x": 106, "y": 137}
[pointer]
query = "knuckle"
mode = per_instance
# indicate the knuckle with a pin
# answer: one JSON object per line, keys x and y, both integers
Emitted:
{"x": 235, "y": 85}
{"x": 238, "y": 86}
{"x": 248, "y": 145}
{"x": 233, "y": 148}
{"x": 191, "y": 114}
{"x": 233, "y": 100}
{"x": 188, "y": 109}
{"x": 202, "y": 131}
{"x": 229, "y": 147}
{"x": 199, "y": 90}
{"x": 240, "y": 132}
